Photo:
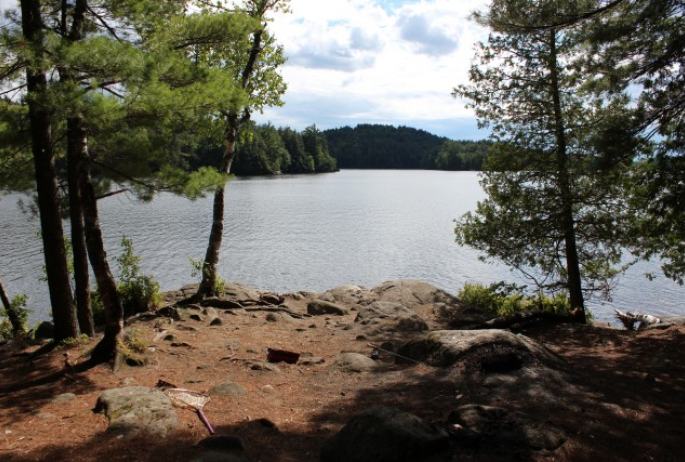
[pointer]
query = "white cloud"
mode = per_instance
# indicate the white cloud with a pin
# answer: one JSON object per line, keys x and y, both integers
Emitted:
{"x": 384, "y": 61}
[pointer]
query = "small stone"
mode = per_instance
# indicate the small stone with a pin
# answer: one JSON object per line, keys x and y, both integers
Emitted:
{"x": 272, "y": 317}
{"x": 354, "y": 362}
{"x": 312, "y": 361}
{"x": 181, "y": 345}
{"x": 216, "y": 322}
{"x": 196, "y": 317}
{"x": 262, "y": 366}
{"x": 128, "y": 381}
{"x": 268, "y": 389}
{"x": 229, "y": 389}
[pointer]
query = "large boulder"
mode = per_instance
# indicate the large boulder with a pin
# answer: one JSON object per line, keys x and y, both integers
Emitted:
{"x": 384, "y": 434}
{"x": 349, "y": 295}
{"x": 502, "y": 431}
{"x": 389, "y": 316}
{"x": 493, "y": 350}
{"x": 409, "y": 292}
{"x": 137, "y": 409}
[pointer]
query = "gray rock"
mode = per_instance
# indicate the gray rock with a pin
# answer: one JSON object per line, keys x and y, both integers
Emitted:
{"x": 210, "y": 312}
{"x": 501, "y": 430}
{"x": 384, "y": 434}
{"x": 348, "y": 295}
{"x": 169, "y": 312}
{"x": 311, "y": 361}
{"x": 230, "y": 389}
{"x": 269, "y": 389}
{"x": 412, "y": 292}
{"x": 272, "y": 298}
{"x": 263, "y": 366}
{"x": 322, "y": 307}
{"x": 494, "y": 350}
{"x": 45, "y": 330}
{"x": 354, "y": 362}
{"x": 137, "y": 409}
{"x": 389, "y": 316}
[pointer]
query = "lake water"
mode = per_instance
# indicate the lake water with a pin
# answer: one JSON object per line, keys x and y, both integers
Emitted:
{"x": 307, "y": 232}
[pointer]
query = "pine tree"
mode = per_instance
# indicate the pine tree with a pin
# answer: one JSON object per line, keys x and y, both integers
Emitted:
{"x": 549, "y": 207}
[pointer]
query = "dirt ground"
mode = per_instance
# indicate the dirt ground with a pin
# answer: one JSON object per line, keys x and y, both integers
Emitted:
{"x": 625, "y": 399}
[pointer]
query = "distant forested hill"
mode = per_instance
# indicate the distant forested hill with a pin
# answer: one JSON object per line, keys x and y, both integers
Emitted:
{"x": 387, "y": 147}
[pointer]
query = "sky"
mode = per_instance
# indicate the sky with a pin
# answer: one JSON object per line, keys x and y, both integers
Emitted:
{"x": 375, "y": 61}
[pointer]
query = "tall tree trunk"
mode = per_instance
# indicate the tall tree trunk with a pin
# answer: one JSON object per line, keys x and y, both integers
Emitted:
{"x": 52, "y": 232}
{"x": 209, "y": 267}
{"x": 77, "y": 156}
{"x": 107, "y": 348}
{"x": 234, "y": 123}
{"x": 575, "y": 288}
{"x": 76, "y": 152}
{"x": 15, "y": 320}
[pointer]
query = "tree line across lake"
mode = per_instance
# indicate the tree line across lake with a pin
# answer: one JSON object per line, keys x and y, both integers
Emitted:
{"x": 266, "y": 150}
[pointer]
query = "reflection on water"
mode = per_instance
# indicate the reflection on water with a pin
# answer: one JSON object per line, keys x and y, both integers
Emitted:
{"x": 308, "y": 232}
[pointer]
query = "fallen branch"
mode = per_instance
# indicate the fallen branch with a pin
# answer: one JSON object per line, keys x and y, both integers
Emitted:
{"x": 636, "y": 320}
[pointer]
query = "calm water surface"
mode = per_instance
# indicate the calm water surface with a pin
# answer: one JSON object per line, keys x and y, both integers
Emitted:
{"x": 307, "y": 232}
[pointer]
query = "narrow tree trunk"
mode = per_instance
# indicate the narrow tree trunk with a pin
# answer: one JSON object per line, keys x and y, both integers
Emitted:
{"x": 575, "y": 287}
{"x": 114, "y": 313}
{"x": 15, "y": 320}
{"x": 76, "y": 152}
{"x": 211, "y": 262}
{"x": 233, "y": 123}
{"x": 77, "y": 156}
{"x": 107, "y": 349}
{"x": 52, "y": 232}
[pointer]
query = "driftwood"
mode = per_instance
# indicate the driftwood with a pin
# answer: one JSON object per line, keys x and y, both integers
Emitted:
{"x": 636, "y": 320}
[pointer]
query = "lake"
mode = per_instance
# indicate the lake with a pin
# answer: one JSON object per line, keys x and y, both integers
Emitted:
{"x": 307, "y": 232}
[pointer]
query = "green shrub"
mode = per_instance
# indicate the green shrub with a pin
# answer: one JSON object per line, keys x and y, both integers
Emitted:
{"x": 138, "y": 292}
{"x": 21, "y": 315}
{"x": 501, "y": 299}
{"x": 219, "y": 284}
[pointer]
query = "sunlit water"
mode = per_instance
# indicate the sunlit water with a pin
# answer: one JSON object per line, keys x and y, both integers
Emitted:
{"x": 308, "y": 232}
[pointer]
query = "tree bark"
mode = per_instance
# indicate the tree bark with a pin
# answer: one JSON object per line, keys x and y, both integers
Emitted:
{"x": 76, "y": 152}
{"x": 568, "y": 223}
{"x": 207, "y": 286}
{"x": 15, "y": 321}
{"x": 234, "y": 124}
{"x": 52, "y": 232}
{"x": 77, "y": 155}
{"x": 107, "y": 348}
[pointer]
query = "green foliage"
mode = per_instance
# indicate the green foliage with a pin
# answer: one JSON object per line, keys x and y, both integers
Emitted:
{"x": 555, "y": 209}
{"x": 20, "y": 315}
{"x": 138, "y": 292}
{"x": 388, "y": 147}
{"x": 196, "y": 271}
{"x": 134, "y": 348}
{"x": 501, "y": 299}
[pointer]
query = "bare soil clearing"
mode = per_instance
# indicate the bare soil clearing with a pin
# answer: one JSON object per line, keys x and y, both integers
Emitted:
{"x": 620, "y": 396}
